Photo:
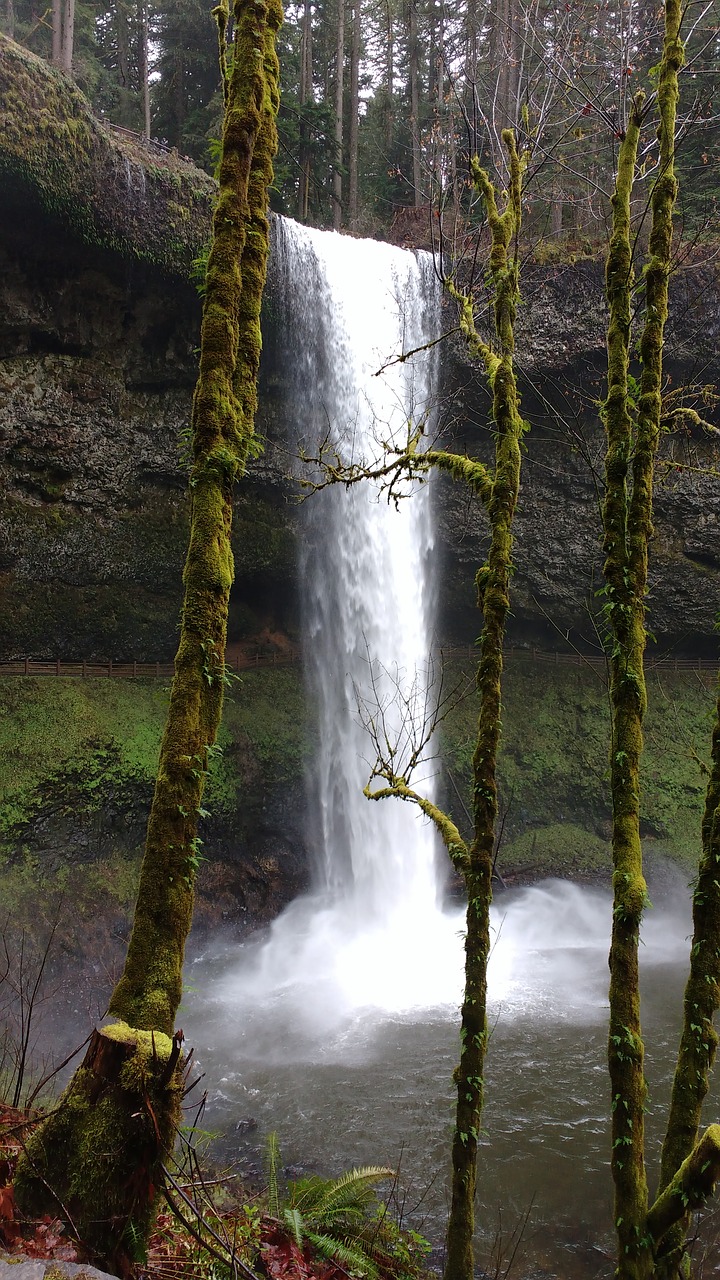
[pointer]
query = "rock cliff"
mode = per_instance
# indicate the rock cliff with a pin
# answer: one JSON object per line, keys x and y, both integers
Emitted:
{"x": 98, "y": 329}
{"x": 99, "y": 322}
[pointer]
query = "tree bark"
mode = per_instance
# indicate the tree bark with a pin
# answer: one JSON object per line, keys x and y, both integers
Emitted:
{"x": 122, "y": 36}
{"x": 73, "y": 1153}
{"x": 493, "y": 585}
{"x": 627, "y": 522}
{"x": 691, "y": 1187}
{"x": 389, "y": 127}
{"x": 624, "y": 608}
{"x": 353, "y": 177}
{"x": 68, "y": 36}
{"x": 414, "y": 73}
{"x": 306, "y": 85}
{"x": 57, "y": 22}
{"x": 96, "y": 1161}
{"x": 143, "y": 71}
{"x": 339, "y": 113}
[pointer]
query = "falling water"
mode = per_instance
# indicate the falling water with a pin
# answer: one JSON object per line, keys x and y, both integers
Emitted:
{"x": 353, "y": 312}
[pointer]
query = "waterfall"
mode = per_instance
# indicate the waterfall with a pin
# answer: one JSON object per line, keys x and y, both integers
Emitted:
{"x": 365, "y": 571}
{"x": 362, "y": 938}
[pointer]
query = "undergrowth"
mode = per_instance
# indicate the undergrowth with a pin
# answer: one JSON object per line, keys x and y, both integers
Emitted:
{"x": 553, "y": 767}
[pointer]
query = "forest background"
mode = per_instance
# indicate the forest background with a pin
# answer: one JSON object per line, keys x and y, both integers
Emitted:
{"x": 381, "y": 99}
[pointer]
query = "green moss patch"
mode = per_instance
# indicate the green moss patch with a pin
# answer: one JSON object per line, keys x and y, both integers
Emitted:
{"x": 563, "y": 849}
{"x": 76, "y": 740}
{"x": 553, "y": 766}
{"x": 107, "y": 189}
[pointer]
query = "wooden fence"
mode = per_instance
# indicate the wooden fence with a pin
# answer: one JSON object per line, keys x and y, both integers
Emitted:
{"x": 250, "y": 661}
{"x": 136, "y": 670}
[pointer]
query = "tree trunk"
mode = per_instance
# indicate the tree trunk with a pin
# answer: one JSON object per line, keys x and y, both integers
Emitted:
{"x": 122, "y": 35}
{"x": 624, "y": 610}
{"x": 57, "y": 12}
{"x": 142, "y": 18}
{"x": 101, "y": 1152}
{"x": 306, "y": 85}
{"x": 414, "y": 72}
{"x": 339, "y": 110}
{"x": 627, "y": 523}
{"x": 68, "y": 36}
{"x": 71, "y": 1160}
{"x": 389, "y": 125}
{"x": 493, "y": 585}
{"x": 353, "y": 205}
{"x": 179, "y": 93}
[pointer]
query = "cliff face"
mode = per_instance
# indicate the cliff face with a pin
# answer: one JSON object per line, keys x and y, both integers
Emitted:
{"x": 558, "y": 529}
{"x": 99, "y": 323}
{"x": 98, "y": 329}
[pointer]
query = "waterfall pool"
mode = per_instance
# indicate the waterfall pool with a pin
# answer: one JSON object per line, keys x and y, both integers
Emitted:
{"x": 346, "y": 1083}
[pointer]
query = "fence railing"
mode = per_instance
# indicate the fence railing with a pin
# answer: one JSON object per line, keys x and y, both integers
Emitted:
{"x": 135, "y": 670}
{"x": 247, "y": 661}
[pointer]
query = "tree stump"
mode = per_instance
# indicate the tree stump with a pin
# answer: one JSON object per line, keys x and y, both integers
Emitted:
{"x": 97, "y": 1160}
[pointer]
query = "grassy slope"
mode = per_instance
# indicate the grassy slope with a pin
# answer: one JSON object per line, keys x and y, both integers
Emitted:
{"x": 553, "y": 771}
{"x": 85, "y": 753}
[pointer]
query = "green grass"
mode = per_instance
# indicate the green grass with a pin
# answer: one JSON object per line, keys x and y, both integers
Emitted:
{"x": 553, "y": 765}
{"x": 100, "y": 734}
{"x": 79, "y": 755}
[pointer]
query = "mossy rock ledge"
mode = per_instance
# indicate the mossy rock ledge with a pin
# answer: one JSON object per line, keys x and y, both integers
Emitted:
{"x": 147, "y": 204}
{"x": 99, "y": 327}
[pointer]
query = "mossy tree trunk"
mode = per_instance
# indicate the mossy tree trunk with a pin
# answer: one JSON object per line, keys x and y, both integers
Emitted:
{"x": 116, "y": 1122}
{"x": 698, "y": 1042}
{"x": 702, "y": 994}
{"x": 497, "y": 489}
{"x": 632, "y": 439}
{"x": 493, "y": 586}
{"x": 626, "y": 579}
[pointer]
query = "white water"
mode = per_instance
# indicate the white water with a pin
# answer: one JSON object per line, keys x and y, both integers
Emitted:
{"x": 371, "y": 934}
{"x": 371, "y": 941}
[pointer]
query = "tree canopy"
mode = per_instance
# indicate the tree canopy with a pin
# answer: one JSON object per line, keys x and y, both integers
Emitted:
{"x": 381, "y": 103}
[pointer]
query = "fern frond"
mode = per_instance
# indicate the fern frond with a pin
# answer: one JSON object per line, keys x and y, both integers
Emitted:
{"x": 351, "y": 1191}
{"x": 272, "y": 1160}
{"x": 352, "y": 1257}
{"x": 294, "y": 1221}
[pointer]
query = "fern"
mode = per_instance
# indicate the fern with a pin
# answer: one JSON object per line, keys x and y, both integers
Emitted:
{"x": 331, "y": 1215}
{"x": 294, "y": 1221}
{"x": 351, "y": 1192}
{"x": 272, "y": 1160}
{"x": 352, "y": 1257}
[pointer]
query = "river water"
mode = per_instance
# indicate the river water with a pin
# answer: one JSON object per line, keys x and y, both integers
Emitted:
{"x": 351, "y": 1084}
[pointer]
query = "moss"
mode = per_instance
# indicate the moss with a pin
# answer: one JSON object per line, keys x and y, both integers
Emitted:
{"x": 224, "y": 403}
{"x": 84, "y": 735}
{"x": 557, "y": 775}
{"x": 66, "y": 597}
{"x": 114, "y": 1125}
{"x": 101, "y": 186}
{"x": 562, "y": 849}
{"x": 80, "y": 757}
